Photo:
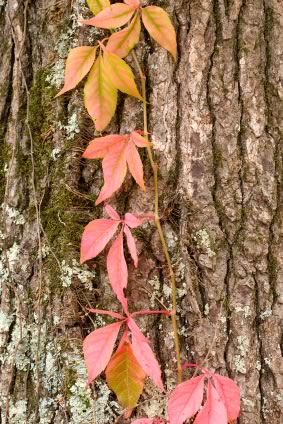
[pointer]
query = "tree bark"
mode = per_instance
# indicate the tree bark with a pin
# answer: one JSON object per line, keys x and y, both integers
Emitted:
{"x": 216, "y": 122}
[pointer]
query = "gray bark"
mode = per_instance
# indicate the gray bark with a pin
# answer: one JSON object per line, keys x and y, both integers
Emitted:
{"x": 216, "y": 122}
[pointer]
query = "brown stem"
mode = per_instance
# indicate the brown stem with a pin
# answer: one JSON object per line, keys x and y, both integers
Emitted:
{"x": 154, "y": 167}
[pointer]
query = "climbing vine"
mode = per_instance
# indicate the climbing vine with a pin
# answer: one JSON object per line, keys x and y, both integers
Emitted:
{"x": 208, "y": 398}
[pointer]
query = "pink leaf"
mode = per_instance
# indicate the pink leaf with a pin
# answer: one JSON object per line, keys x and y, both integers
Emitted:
{"x": 98, "y": 347}
{"x": 112, "y": 213}
{"x": 78, "y": 64}
{"x": 135, "y": 165}
{"x": 122, "y": 42}
{"x": 186, "y": 400}
{"x": 214, "y": 411}
{"x": 132, "y": 221}
{"x": 117, "y": 268}
{"x": 114, "y": 171}
{"x": 114, "y": 16}
{"x": 145, "y": 355}
{"x": 229, "y": 393}
{"x": 100, "y": 147}
{"x": 139, "y": 140}
{"x": 135, "y": 3}
{"x": 110, "y": 313}
{"x": 143, "y": 421}
{"x": 131, "y": 245}
{"x": 95, "y": 237}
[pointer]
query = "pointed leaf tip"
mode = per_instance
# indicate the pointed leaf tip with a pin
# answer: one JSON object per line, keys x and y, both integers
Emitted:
{"x": 97, "y": 6}
{"x": 186, "y": 400}
{"x": 122, "y": 42}
{"x": 98, "y": 347}
{"x": 159, "y": 26}
{"x": 115, "y": 16}
{"x": 78, "y": 64}
{"x": 100, "y": 95}
{"x": 213, "y": 411}
{"x": 125, "y": 376}
{"x": 95, "y": 237}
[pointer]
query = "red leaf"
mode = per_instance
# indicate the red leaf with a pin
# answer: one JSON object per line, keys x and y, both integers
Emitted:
{"x": 131, "y": 245}
{"x": 98, "y": 347}
{"x": 145, "y": 355}
{"x": 132, "y": 221}
{"x": 159, "y": 26}
{"x": 95, "y": 237}
{"x": 186, "y": 400}
{"x": 122, "y": 42}
{"x": 117, "y": 268}
{"x": 135, "y": 330}
{"x": 78, "y": 64}
{"x": 112, "y": 213}
{"x": 214, "y": 411}
{"x": 114, "y": 16}
{"x": 229, "y": 393}
{"x": 110, "y": 313}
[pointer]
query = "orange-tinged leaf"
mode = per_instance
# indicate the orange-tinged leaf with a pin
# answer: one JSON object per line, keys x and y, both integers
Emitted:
{"x": 114, "y": 16}
{"x": 120, "y": 74}
{"x": 159, "y": 26}
{"x": 139, "y": 140}
{"x": 95, "y": 237}
{"x": 97, "y": 6}
{"x": 122, "y": 42}
{"x": 114, "y": 167}
{"x": 125, "y": 376}
{"x": 135, "y": 3}
{"x": 100, "y": 95}
{"x": 78, "y": 64}
{"x": 135, "y": 165}
{"x": 98, "y": 347}
{"x": 118, "y": 151}
{"x": 100, "y": 147}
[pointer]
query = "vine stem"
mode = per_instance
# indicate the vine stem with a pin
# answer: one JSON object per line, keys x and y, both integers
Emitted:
{"x": 154, "y": 167}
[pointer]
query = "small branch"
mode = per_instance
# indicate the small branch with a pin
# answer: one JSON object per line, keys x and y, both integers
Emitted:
{"x": 154, "y": 167}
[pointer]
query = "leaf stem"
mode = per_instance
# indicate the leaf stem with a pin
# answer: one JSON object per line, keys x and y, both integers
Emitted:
{"x": 154, "y": 167}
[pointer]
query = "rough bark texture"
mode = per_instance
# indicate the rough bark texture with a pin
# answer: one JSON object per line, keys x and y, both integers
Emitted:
{"x": 216, "y": 121}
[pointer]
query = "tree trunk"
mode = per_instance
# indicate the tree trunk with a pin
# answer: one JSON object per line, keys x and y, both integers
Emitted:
{"x": 216, "y": 121}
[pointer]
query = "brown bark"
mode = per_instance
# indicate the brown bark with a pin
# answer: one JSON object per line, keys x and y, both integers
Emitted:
{"x": 216, "y": 121}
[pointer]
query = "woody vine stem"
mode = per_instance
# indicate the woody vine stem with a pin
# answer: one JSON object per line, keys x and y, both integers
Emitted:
{"x": 154, "y": 167}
